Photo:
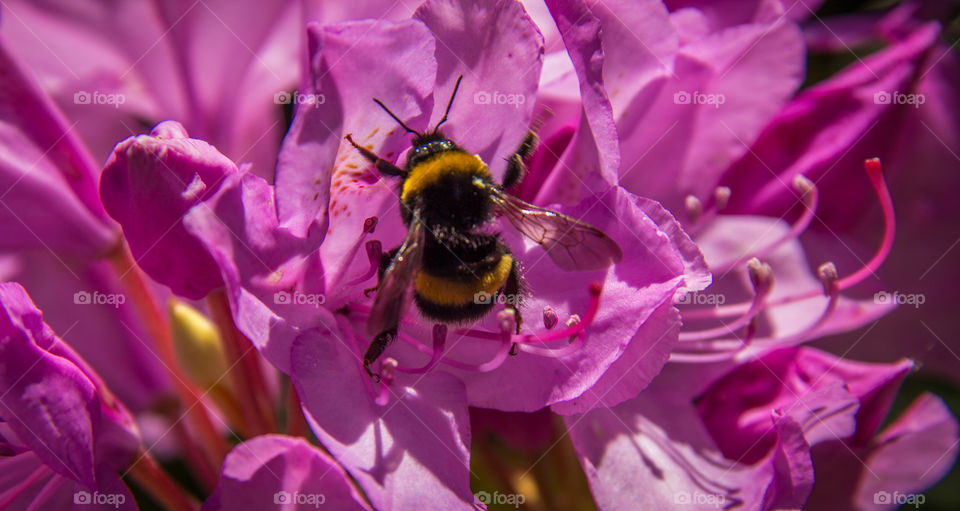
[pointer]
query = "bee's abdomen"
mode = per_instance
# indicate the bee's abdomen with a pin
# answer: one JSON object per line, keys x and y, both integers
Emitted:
{"x": 454, "y": 297}
{"x": 457, "y": 255}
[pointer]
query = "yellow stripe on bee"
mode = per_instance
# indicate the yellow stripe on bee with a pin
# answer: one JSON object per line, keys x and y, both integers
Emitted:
{"x": 444, "y": 291}
{"x": 445, "y": 163}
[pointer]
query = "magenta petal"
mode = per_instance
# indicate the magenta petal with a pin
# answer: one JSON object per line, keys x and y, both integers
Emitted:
{"x": 314, "y": 155}
{"x": 95, "y": 48}
{"x": 655, "y": 339}
{"x": 594, "y": 147}
{"x": 215, "y": 68}
{"x": 826, "y": 133}
{"x": 914, "y": 452}
{"x": 696, "y": 269}
{"x": 874, "y": 385}
{"x": 275, "y": 469}
{"x": 829, "y": 397}
{"x": 259, "y": 260}
{"x": 700, "y": 141}
{"x": 907, "y": 457}
{"x": 657, "y": 443}
{"x": 42, "y": 162}
{"x": 417, "y": 444}
{"x": 46, "y": 400}
{"x": 109, "y": 337}
{"x": 234, "y": 63}
{"x": 722, "y": 14}
{"x": 26, "y": 483}
{"x": 651, "y": 346}
{"x": 637, "y": 366}
{"x": 148, "y": 184}
{"x": 499, "y": 52}
{"x": 51, "y": 401}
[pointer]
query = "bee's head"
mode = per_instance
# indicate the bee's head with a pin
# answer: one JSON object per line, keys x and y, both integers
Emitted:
{"x": 427, "y": 145}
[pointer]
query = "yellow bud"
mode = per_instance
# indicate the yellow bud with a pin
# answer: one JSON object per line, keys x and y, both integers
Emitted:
{"x": 198, "y": 346}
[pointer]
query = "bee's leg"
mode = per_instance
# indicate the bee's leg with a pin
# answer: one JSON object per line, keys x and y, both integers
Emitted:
{"x": 512, "y": 289}
{"x": 385, "y": 260}
{"x": 380, "y": 343}
{"x": 382, "y": 165}
{"x": 515, "y": 166}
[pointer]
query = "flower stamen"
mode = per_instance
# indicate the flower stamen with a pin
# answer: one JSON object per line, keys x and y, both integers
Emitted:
{"x": 810, "y": 198}
{"x": 761, "y": 275}
{"x": 875, "y": 173}
{"x": 369, "y": 225}
{"x": 374, "y": 251}
{"x": 439, "y": 341}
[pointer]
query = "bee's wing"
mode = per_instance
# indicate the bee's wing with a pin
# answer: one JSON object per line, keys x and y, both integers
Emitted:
{"x": 572, "y": 244}
{"x": 391, "y": 300}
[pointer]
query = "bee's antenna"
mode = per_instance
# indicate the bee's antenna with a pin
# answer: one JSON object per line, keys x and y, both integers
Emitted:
{"x": 402, "y": 125}
{"x": 449, "y": 104}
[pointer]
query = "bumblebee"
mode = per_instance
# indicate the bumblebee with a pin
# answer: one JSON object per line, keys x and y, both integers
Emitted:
{"x": 447, "y": 198}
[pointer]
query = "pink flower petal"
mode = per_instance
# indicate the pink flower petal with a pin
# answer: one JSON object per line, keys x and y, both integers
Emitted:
{"x": 415, "y": 445}
{"x": 274, "y": 469}
{"x": 499, "y": 52}
{"x": 148, "y": 184}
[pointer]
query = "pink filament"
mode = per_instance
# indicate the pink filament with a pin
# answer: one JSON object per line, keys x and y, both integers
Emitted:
{"x": 810, "y": 201}
{"x": 722, "y": 349}
{"x": 374, "y": 250}
{"x": 506, "y": 339}
{"x": 573, "y": 347}
{"x": 369, "y": 225}
{"x": 439, "y": 341}
{"x": 756, "y": 306}
{"x": 875, "y": 173}
{"x": 545, "y": 337}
